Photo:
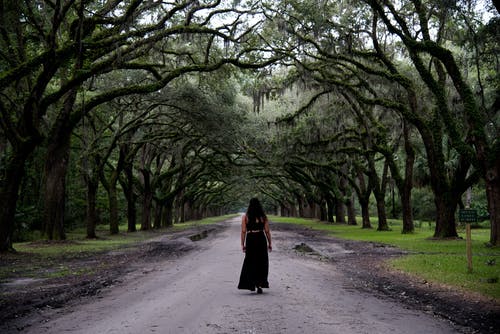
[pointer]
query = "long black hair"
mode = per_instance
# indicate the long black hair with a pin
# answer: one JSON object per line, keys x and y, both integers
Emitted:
{"x": 255, "y": 210}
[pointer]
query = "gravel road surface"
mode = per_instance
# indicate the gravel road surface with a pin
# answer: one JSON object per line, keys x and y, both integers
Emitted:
{"x": 197, "y": 293}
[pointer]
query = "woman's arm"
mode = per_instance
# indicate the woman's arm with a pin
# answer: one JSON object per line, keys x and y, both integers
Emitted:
{"x": 243, "y": 231}
{"x": 267, "y": 230}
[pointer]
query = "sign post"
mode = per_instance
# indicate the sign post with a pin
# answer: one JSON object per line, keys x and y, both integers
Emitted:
{"x": 468, "y": 247}
{"x": 468, "y": 216}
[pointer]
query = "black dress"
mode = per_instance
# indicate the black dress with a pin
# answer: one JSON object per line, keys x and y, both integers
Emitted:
{"x": 256, "y": 264}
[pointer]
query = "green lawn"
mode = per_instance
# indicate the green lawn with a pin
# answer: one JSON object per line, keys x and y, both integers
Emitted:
{"x": 442, "y": 261}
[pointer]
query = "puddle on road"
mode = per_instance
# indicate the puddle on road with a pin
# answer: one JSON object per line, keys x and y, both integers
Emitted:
{"x": 199, "y": 236}
{"x": 304, "y": 248}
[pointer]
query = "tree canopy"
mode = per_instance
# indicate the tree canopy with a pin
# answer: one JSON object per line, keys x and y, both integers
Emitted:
{"x": 182, "y": 109}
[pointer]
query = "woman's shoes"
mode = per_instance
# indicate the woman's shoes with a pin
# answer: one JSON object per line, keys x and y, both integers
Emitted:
{"x": 259, "y": 290}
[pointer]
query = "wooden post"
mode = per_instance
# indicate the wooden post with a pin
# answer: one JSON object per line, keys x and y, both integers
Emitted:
{"x": 468, "y": 243}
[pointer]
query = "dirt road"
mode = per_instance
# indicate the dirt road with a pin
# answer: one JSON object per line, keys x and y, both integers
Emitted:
{"x": 197, "y": 294}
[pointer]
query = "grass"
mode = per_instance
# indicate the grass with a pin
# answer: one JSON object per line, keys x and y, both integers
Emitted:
{"x": 77, "y": 243}
{"x": 440, "y": 261}
{"x": 50, "y": 259}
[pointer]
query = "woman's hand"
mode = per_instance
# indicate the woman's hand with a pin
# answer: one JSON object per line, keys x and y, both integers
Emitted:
{"x": 244, "y": 249}
{"x": 270, "y": 248}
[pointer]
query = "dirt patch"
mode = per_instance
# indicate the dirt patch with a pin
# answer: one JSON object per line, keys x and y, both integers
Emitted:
{"x": 364, "y": 266}
{"x": 22, "y": 297}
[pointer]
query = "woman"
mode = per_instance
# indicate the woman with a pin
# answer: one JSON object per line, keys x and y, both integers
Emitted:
{"x": 255, "y": 240}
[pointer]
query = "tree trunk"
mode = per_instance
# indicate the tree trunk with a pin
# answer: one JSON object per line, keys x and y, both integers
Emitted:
{"x": 158, "y": 215}
{"x": 90, "y": 175}
{"x": 56, "y": 166}
{"x": 323, "y": 212}
{"x": 198, "y": 213}
{"x": 318, "y": 209}
{"x": 365, "y": 213}
{"x": 286, "y": 211}
{"x": 340, "y": 202}
{"x": 492, "y": 180}
{"x": 446, "y": 204}
{"x": 339, "y": 211}
{"x": 114, "y": 219}
{"x": 379, "y": 193}
{"x": 310, "y": 209}
{"x": 182, "y": 211}
{"x": 128, "y": 189}
{"x": 408, "y": 226}
{"x": 393, "y": 200}
{"x": 380, "y": 186}
{"x": 188, "y": 211}
{"x": 92, "y": 186}
{"x": 146, "y": 211}
{"x": 283, "y": 210}
{"x": 405, "y": 192}
{"x": 147, "y": 202}
{"x": 293, "y": 210}
{"x": 113, "y": 209}
{"x": 382, "y": 216}
{"x": 364, "y": 192}
{"x": 300, "y": 201}
{"x": 9, "y": 192}
{"x": 167, "y": 219}
{"x": 351, "y": 211}
{"x": 330, "y": 210}
{"x": 447, "y": 193}
{"x": 131, "y": 214}
{"x": 127, "y": 184}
